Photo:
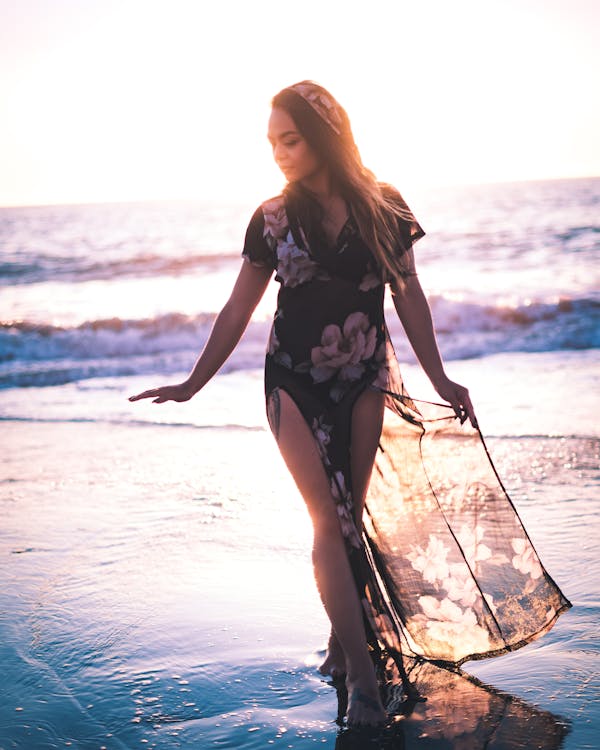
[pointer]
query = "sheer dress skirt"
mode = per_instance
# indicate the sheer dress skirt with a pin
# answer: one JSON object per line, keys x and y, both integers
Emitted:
{"x": 443, "y": 566}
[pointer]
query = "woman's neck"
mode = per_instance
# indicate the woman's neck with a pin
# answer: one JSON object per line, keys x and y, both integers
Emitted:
{"x": 320, "y": 185}
{"x": 334, "y": 208}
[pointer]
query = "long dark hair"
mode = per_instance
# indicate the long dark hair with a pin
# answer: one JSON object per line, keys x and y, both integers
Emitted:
{"x": 377, "y": 208}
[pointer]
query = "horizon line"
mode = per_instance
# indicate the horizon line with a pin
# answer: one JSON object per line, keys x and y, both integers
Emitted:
{"x": 239, "y": 199}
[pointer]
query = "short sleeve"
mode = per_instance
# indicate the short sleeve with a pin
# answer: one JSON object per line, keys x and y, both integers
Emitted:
{"x": 256, "y": 248}
{"x": 408, "y": 232}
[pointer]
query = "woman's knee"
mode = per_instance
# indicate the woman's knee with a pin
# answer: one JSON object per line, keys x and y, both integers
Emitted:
{"x": 326, "y": 525}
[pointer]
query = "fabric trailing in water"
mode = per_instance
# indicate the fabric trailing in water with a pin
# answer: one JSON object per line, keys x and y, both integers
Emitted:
{"x": 443, "y": 565}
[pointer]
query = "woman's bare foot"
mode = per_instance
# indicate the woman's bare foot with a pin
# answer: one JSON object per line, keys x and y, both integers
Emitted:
{"x": 364, "y": 702}
{"x": 334, "y": 665}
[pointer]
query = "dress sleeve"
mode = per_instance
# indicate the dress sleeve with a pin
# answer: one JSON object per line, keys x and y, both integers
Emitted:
{"x": 409, "y": 231}
{"x": 256, "y": 248}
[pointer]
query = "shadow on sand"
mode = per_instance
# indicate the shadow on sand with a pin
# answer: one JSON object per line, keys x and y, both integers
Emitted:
{"x": 459, "y": 713}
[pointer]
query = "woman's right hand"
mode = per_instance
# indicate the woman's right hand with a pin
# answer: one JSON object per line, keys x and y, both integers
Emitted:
{"x": 178, "y": 392}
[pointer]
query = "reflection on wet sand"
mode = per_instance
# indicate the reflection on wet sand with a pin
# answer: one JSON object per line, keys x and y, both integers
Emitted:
{"x": 460, "y": 713}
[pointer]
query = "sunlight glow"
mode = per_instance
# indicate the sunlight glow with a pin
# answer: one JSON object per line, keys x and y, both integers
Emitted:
{"x": 131, "y": 100}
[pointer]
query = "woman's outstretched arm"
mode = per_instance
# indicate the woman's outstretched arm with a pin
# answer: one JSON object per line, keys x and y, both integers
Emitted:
{"x": 414, "y": 313}
{"x": 227, "y": 330}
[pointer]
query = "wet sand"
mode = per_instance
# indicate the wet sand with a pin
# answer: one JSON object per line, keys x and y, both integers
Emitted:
{"x": 157, "y": 591}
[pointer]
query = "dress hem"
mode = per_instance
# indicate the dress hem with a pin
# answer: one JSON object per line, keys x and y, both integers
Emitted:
{"x": 449, "y": 664}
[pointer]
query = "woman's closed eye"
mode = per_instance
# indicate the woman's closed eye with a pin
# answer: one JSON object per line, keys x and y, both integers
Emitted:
{"x": 285, "y": 144}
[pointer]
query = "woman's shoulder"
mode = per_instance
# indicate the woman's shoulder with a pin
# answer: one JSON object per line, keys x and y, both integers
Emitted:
{"x": 274, "y": 202}
{"x": 392, "y": 194}
{"x": 410, "y": 229}
{"x": 387, "y": 188}
{"x": 268, "y": 209}
{"x": 274, "y": 216}
{"x": 269, "y": 206}
{"x": 267, "y": 225}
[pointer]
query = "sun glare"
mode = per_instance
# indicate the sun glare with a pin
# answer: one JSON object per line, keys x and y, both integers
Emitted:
{"x": 113, "y": 101}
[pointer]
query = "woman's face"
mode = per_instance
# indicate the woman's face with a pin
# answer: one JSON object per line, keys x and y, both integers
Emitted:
{"x": 293, "y": 155}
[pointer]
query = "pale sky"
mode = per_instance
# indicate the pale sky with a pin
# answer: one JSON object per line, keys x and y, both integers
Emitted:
{"x": 106, "y": 100}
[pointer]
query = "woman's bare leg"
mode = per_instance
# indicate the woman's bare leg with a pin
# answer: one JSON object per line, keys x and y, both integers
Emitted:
{"x": 367, "y": 419}
{"x": 334, "y": 577}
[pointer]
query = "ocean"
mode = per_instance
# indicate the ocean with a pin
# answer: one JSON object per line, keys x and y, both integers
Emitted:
{"x": 156, "y": 587}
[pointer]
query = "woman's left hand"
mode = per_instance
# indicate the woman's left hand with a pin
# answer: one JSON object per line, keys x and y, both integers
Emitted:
{"x": 458, "y": 398}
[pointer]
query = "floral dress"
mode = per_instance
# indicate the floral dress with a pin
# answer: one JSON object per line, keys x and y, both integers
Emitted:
{"x": 443, "y": 566}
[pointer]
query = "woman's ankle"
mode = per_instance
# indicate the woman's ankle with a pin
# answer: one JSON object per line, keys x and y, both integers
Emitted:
{"x": 361, "y": 671}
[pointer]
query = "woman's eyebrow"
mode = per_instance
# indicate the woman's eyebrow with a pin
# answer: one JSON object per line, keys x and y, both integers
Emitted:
{"x": 282, "y": 135}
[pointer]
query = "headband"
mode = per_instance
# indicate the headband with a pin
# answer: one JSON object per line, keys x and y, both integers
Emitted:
{"x": 323, "y": 103}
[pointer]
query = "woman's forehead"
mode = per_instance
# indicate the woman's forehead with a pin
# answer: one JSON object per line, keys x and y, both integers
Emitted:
{"x": 280, "y": 122}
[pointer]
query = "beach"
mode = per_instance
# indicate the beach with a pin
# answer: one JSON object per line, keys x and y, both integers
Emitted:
{"x": 156, "y": 580}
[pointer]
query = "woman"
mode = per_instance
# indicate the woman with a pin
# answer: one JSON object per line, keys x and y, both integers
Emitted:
{"x": 335, "y": 237}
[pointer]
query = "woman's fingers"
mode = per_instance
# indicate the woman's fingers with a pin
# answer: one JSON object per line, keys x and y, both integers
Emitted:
{"x": 463, "y": 407}
{"x": 179, "y": 392}
{"x": 152, "y": 393}
{"x": 458, "y": 398}
{"x": 470, "y": 411}
{"x": 144, "y": 394}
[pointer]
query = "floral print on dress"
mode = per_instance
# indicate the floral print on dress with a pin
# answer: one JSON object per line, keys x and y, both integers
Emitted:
{"x": 459, "y": 604}
{"x": 470, "y": 539}
{"x": 345, "y": 509}
{"x": 344, "y": 351}
{"x": 294, "y": 265}
{"x": 460, "y": 585}
{"x": 274, "y": 350}
{"x": 525, "y": 559}
{"x": 276, "y": 220}
{"x": 475, "y": 550}
{"x": 431, "y": 562}
{"x": 444, "y": 624}
{"x": 322, "y": 433}
{"x": 526, "y": 562}
{"x": 371, "y": 280}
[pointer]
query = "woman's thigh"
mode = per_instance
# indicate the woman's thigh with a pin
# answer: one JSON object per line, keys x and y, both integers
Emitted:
{"x": 367, "y": 420}
{"x": 299, "y": 450}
